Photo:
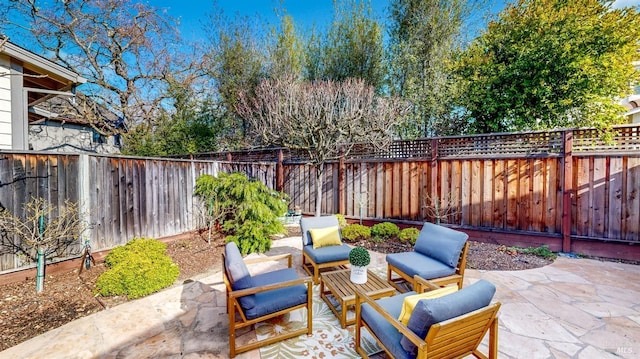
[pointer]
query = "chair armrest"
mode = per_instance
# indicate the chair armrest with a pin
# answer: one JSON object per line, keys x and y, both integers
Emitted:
{"x": 361, "y": 297}
{"x": 278, "y": 257}
{"x": 253, "y": 290}
{"x": 423, "y": 285}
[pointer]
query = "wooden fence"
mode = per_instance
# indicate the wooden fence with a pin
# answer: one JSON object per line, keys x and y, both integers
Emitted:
{"x": 122, "y": 197}
{"x": 566, "y": 189}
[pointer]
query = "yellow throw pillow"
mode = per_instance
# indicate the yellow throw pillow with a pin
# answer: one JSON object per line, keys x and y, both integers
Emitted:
{"x": 322, "y": 237}
{"x": 410, "y": 301}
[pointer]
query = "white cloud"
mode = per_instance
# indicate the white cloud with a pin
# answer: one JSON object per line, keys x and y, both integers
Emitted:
{"x": 618, "y": 4}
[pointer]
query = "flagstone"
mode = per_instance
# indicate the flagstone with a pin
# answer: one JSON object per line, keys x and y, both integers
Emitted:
{"x": 529, "y": 321}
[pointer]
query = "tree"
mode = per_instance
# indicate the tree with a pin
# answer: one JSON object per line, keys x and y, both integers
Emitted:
{"x": 545, "y": 64}
{"x": 323, "y": 118}
{"x": 287, "y": 55}
{"x": 237, "y": 64}
{"x": 192, "y": 125}
{"x": 45, "y": 231}
{"x": 122, "y": 47}
{"x": 423, "y": 38}
{"x": 352, "y": 48}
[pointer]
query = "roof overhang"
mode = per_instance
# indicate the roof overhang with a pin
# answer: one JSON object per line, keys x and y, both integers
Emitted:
{"x": 40, "y": 73}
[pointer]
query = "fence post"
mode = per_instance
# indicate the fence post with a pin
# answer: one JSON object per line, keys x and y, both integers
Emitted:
{"x": 280, "y": 171}
{"x": 433, "y": 188}
{"x": 341, "y": 190}
{"x": 84, "y": 194}
{"x": 567, "y": 189}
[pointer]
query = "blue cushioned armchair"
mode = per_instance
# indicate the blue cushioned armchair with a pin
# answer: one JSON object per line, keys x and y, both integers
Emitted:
{"x": 254, "y": 299}
{"x": 313, "y": 260}
{"x": 451, "y": 326}
{"x": 440, "y": 255}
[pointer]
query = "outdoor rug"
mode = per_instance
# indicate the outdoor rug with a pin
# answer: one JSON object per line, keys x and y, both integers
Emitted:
{"x": 329, "y": 340}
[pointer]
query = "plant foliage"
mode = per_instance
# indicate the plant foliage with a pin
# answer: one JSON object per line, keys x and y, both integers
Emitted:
{"x": 354, "y": 232}
{"x": 385, "y": 230}
{"x": 410, "y": 235}
{"x": 249, "y": 209}
{"x": 138, "y": 268}
{"x": 547, "y": 64}
{"x": 359, "y": 257}
{"x": 342, "y": 222}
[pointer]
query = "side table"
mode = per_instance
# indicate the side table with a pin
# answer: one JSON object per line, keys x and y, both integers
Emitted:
{"x": 338, "y": 284}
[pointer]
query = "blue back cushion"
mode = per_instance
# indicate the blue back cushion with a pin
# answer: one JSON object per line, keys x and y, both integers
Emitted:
{"x": 430, "y": 311}
{"x": 441, "y": 243}
{"x": 239, "y": 273}
{"x": 316, "y": 222}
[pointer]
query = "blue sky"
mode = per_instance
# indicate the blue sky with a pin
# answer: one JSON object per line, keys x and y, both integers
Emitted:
{"x": 306, "y": 13}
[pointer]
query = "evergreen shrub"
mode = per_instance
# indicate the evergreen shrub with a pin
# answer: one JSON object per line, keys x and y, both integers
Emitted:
{"x": 385, "y": 230}
{"x": 354, "y": 232}
{"x": 249, "y": 209}
{"x": 410, "y": 235}
{"x": 136, "y": 269}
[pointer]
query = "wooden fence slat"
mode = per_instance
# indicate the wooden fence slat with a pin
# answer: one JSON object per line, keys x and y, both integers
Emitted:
{"x": 632, "y": 200}
{"x": 598, "y": 197}
{"x": 615, "y": 181}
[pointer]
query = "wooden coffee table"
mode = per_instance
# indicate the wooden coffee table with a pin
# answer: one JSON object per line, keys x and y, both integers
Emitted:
{"x": 338, "y": 285}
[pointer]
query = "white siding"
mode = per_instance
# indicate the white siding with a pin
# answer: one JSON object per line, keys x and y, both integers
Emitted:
{"x": 5, "y": 103}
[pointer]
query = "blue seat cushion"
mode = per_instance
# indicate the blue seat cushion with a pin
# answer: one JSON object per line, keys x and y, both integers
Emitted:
{"x": 316, "y": 222}
{"x": 277, "y": 299}
{"x": 382, "y": 328}
{"x": 413, "y": 263}
{"x": 327, "y": 254}
{"x": 441, "y": 243}
{"x": 238, "y": 273}
{"x": 430, "y": 311}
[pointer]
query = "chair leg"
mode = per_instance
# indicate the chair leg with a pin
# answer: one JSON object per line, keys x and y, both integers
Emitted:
{"x": 232, "y": 328}
{"x": 493, "y": 339}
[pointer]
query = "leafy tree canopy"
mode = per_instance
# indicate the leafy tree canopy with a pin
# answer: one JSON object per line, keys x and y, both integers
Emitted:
{"x": 551, "y": 63}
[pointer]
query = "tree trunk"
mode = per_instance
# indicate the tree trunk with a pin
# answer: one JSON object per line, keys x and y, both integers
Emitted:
{"x": 319, "y": 176}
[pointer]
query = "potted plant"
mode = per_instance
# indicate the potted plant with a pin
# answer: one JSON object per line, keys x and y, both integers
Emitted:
{"x": 359, "y": 258}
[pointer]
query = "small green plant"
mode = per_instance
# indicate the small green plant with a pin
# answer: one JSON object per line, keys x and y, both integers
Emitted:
{"x": 248, "y": 210}
{"x": 354, "y": 232}
{"x": 359, "y": 257}
{"x": 385, "y": 230}
{"x": 138, "y": 268}
{"x": 409, "y": 235}
{"x": 342, "y": 222}
{"x": 542, "y": 251}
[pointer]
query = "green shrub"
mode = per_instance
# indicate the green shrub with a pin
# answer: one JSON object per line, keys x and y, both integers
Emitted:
{"x": 354, "y": 232}
{"x": 138, "y": 268}
{"x": 342, "y": 222}
{"x": 410, "y": 235}
{"x": 542, "y": 251}
{"x": 247, "y": 210}
{"x": 385, "y": 230}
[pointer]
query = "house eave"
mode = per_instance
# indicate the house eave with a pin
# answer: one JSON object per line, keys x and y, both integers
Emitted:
{"x": 45, "y": 65}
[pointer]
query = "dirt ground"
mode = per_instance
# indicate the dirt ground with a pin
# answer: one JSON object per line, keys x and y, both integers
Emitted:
{"x": 69, "y": 296}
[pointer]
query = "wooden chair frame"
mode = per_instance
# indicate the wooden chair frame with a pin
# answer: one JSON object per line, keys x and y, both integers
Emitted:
{"x": 453, "y": 338}
{"x": 238, "y": 319}
{"x": 314, "y": 268}
{"x": 456, "y": 278}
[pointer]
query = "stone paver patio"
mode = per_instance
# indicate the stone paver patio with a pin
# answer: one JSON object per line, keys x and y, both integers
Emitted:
{"x": 574, "y": 308}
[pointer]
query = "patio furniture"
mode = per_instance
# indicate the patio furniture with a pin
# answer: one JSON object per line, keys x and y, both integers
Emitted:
{"x": 254, "y": 299}
{"x": 440, "y": 255}
{"x": 451, "y": 326}
{"x": 338, "y": 285}
{"x": 316, "y": 258}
